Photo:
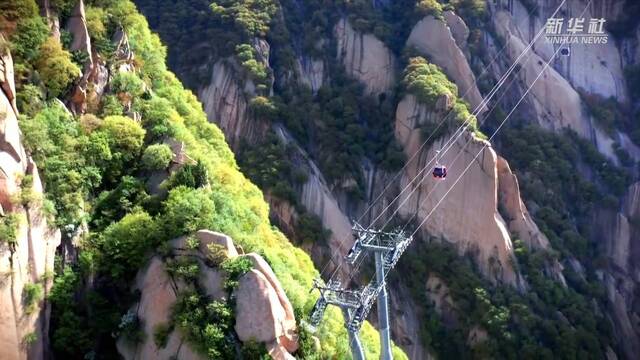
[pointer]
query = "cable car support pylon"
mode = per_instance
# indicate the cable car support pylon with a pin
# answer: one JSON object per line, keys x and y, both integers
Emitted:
{"x": 387, "y": 248}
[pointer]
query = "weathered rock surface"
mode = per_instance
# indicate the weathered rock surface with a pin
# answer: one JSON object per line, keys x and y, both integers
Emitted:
{"x": 310, "y": 72}
{"x": 595, "y": 68}
{"x": 443, "y": 304}
{"x": 619, "y": 233}
{"x": 433, "y": 38}
{"x": 468, "y": 215}
{"x": 365, "y": 58}
{"x": 77, "y": 26}
{"x": 476, "y": 335}
{"x": 406, "y": 321}
{"x": 458, "y": 27}
{"x": 158, "y": 294}
{"x": 555, "y": 103}
{"x": 99, "y": 77}
{"x": 29, "y": 258}
{"x": 263, "y": 311}
{"x": 226, "y": 103}
{"x": 47, "y": 11}
{"x": 516, "y": 214}
{"x": 211, "y": 237}
{"x": 476, "y": 227}
{"x": 318, "y": 199}
{"x": 257, "y": 318}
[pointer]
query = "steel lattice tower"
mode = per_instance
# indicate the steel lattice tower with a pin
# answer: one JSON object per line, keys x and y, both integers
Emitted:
{"x": 387, "y": 248}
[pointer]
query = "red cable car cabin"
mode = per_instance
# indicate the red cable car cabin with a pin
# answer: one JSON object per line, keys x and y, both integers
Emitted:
{"x": 440, "y": 172}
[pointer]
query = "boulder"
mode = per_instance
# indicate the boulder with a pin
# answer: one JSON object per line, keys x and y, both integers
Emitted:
{"x": 365, "y": 58}
{"x": 259, "y": 314}
{"x": 288, "y": 338}
{"x": 207, "y": 237}
{"x": 263, "y": 312}
{"x": 157, "y": 296}
{"x": 278, "y": 352}
{"x": 212, "y": 281}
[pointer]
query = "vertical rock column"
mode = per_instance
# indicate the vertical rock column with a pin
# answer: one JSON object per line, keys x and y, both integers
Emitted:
{"x": 26, "y": 257}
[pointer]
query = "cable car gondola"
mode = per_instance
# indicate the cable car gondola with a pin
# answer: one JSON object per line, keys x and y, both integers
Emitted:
{"x": 440, "y": 172}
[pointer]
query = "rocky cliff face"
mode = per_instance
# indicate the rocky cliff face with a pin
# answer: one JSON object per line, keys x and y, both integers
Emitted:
{"x": 515, "y": 212}
{"x": 555, "y": 100}
{"x": 27, "y": 242}
{"x": 618, "y": 232}
{"x": 556, "y": 103}
{"x": 226, "y": 101}
{"x": 365, "y": 58}
{"x": 434, "y": 38}
{"x": 316, "y": 196}
{"x": 594, "y": 69}
{"x": 468, "y": 218}
{"x": 485, "y": 211}
{"x": 310, "y": 72}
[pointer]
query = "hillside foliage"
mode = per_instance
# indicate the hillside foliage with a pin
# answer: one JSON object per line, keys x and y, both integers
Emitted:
{"x": 95, "y": 168}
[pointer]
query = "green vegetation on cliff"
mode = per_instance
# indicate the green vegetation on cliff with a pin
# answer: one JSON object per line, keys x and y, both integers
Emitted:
{"x": 547, "y": 321}
{"x": 337, "y": 125}
{"x": 564, "y": 200}
{"x": 431, "y": 87}
{"x": 96, "y": 168}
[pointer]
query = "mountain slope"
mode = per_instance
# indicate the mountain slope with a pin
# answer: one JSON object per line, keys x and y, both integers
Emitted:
{"x": 128, "y": 163}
